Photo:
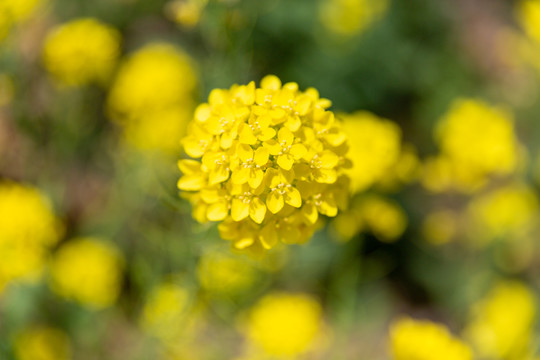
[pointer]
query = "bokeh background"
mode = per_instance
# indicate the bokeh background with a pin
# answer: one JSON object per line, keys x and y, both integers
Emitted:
{"x": 436, "y": 257}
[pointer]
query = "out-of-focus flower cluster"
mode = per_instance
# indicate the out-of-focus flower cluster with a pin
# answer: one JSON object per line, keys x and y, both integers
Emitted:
{"x": 271, "y": 160}
{"x": 349, "y": 17}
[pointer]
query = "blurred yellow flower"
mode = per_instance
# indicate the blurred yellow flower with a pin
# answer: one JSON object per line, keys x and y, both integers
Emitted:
{"x": 186, "y": 12}
{"x": 502, "y": 323}
{"x": 528, "y": 15}
{"x": 28, "y": 229}
{"x": 504, "y": 213}
{"x": 152, "y": 97}
{"x": 42, "y": 343}
{"x": 425, "y": 340}
{"x": 476, "y": 140}
{"x": 271, "y": 160}
{"x": 381, "y": 216}
{"x": 349, "y": 17}
{"x": 375, "y": 150}
{"x": 82, "y": 51}
{"x": 285, "y": 325}
{"x": 87, "y": 270}
{"x": 440, "y": 227}
{"x": 13, "y": 12}
{"x": 225, "y": 274}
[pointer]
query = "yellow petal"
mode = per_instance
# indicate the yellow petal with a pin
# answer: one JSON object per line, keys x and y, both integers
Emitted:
{"x": 243, "y": 242}
{"x": 325, "y": 176}
{"x": 285, "y": 161}
{"x": 271, "y": 82}
{"x": 303, "y": 103}
{"x": 267, "y": 134}
{"x": 239, "y": 209}
{"x": 218, "y": 175}
{"x": 193, "y": 148}
{"x": 274, "y": 202}
{"x": 226, "y": 140}
{"x": 273, "y": 147}
{"x": 285, "y": 135}
{"x": 257, "y": 210}
{"x": 255, "y": 178}
{"x": 240, "y": 176}
{"x": 191, "y": 182}
{"x": 268, "y": 236}
{"x": 292, "y": 196}
{"x": 245, "y": 152}
{"x": 217, "y": 211}
{"x": 328, "y": 159}
{"x": 328, "y": 207}
{"x": 246, "y": 136}
{"x": 202, "y": 113}
{"x": 310, "y": 213}
{"x": 188, "y": 166}
{"x": 298, "y": 151}
{"x": 261, "y": 156}
{"x": 293, "y": 123}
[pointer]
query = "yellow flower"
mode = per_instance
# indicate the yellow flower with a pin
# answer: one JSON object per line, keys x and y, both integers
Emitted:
{"x": 186, "y": 12}
{"x": 349, "y": 17}
{"x": 528, "y": 14}
{"x": 225, "y": 274}
{"x": 502, "y": 323}
{"x": 13, "y": 12}
{"x": 284, "y": 324}
{"x": 381, "y": 216}
{"x": 42, "y": 343}
{"x": 152, "y": 97}
{"x": 504, "y": 213}
{"x": 81, "y": 51}
{"x": 271, "y": 160}
{"x": 375, "y": 150}
{"x": 425, "y": 340}
{"x": 476, "y": 141}
{"x": 166, "y": 311}
{"x": 28, "y": 229}
{"x": 440, "y": 227}
{"x": 88, "y": 271}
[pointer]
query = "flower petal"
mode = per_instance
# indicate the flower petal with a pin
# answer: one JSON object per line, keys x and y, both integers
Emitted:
{"x": 257, "y": 210}
{"x": 274, "y": 202}
{"x": 261, "y": 156}
{"x": 293, "y": 197}
{"x": 217, "y": 211}
{"x": 285, "y": 161}
{"x": 239, "y": 210}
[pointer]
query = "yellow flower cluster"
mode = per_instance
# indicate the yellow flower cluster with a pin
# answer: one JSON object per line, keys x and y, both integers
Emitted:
{"x": 152, "y": 97}
{"x": 425, "y": 340}
{"x": 166, "y": 310}
{"x": 378, "y": 215}
{"x": 13, "y": 12}
{"x": 270, "y": 160}
{"x": 505, "y": 213}
{"x": 81, "y": 51}
{"x": 375, "y": 150}
{"x": 186, "y": 12}
{"x": 476, "y": 141}
{"x": 528, "y": 14}
{"x": 285, "y": 325}
{"x": 225, "y": 274}
{"x": 28, "y": 229}
{"x": 88, "y": 271}
{"x": 501, "y": 324}
{"x": 42, "y": 343}
{"x": 349, "y": 17}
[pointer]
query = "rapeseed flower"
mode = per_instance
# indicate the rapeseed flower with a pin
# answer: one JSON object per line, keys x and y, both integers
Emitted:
{"x": 350, "y": 17}
{"x": 151, "y": 97}
{"x": 13, "y": 12}
{"x": 425, "y": 340}
{"x": 285, "y": 325}
{"x": 375, "y": 150}
{"x": 81, "y": 51}
{"x": 187, "y": 13}
{"x": 505, "y": 213}
{"x": 501, "y": 325}
{"x": 42, "y": 343}
{"x": 383, "y": 217}
{"x": 476, "y": 141}
{"x": 528, "y": 15}
{"x": 28, "y": 229}
{"x": 269, "y": 161}
{"x": 440, "y": 227}
{"x": 87, "y": 270}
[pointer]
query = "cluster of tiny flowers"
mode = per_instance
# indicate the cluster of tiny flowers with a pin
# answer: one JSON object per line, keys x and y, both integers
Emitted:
{"x": 270, "y": 160}
{"x": 28, "y": 229}
{"x": 152, "y": 97}
{"x": 425, "y": 340}
{"x": 88, "y": 271}
{"x": 502, "y": 323}
{"x": 349, "y": 17}
{"x": 467, "y": 160}
{"x": 82, "y": 51}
